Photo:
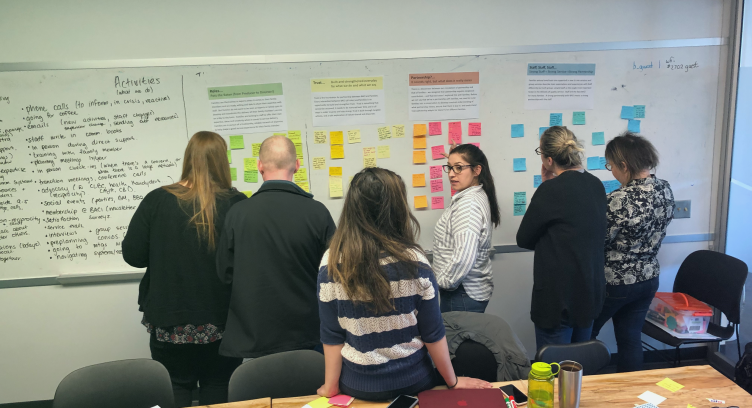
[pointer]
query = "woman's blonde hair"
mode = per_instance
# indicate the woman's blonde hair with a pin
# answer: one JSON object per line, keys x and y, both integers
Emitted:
{"x": 561, "y": 145}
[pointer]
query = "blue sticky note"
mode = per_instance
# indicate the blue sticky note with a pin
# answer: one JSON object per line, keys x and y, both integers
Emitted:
{"x": 633, "y": 126}
{"x": 519, "y": 209}
{"x": 520, "y": 197}
{"x": 537, "y": 180}
{"x": 518, "y": 130}
{"x": 602, "y": 163}
{"x": 611, "y": 185}
{"x": 555, "y": 119}
{"x": 639, "y": 111}
{"x": 599, "y": 138}
{"x": 519, "y": 164}
{"x": 593, "y": 163}
{"x": 578, "y": 118}
{"x": 541, "y": 130}
{"x": 627, "y": 112}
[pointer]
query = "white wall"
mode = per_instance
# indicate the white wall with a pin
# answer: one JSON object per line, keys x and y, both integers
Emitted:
{"x": 50, "y": 331}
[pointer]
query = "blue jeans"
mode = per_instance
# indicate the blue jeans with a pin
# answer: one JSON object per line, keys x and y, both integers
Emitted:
{"x": 432, "y": 380}
{"x": 564, "y": 334}
{"x": 459, "y": 301}
{"x": 627, "y": 305}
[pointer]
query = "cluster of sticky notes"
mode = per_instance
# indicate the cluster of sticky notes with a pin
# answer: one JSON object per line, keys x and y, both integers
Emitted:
{"x": 578, "y": 118}
{"x": 518, "y": 130}
{"x": 555, "y": 119}
{"x": 596, "y": 163}
{"x": 335, "y": 182}
{"x": 599, "y": 138}
{"x": 611, "y": 185}
{"x": 519, "y": 164}
{"x": 520, "y": 202}
{"x": 631, "y": 114}
{"x": 369, "y": 157}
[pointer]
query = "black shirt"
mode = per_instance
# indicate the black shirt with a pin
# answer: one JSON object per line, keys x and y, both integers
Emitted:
{"x": 270, "y": 251}
{"x": 564, "y": 224}
{"x": 180, "y": 285}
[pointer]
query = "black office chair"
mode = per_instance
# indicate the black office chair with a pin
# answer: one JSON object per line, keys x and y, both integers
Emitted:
{"x": 716, "y": 279}
{"x": 475, "y": 360}
{"x": 593, "y": 355}
{"x": 282, "y": 375}
{"x": 138, "y": 383}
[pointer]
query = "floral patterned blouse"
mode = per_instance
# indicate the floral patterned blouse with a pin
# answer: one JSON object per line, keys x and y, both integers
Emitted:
{"x": 638, "y": 215}
{"x": 188, "y": 334}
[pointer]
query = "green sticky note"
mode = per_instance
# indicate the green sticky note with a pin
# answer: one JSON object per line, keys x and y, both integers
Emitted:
{"x": 249, "y": 163}
{"x": 247, "y": 193}
{"x": 578, "y": 118}
{"x": 236, "y": 142}
{"x": 520, "y": 197}
{"x": 519, "y": 209}
{"x": 233, "y": 174}
{"x": 229, "y": 156}
{"x": 250, "y": 176}
{"x": 256, "y": 148}
{"x": 294, "y": 135}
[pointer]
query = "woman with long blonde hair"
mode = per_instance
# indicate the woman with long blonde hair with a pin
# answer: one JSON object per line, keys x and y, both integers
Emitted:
{"x": 173, "y": 234}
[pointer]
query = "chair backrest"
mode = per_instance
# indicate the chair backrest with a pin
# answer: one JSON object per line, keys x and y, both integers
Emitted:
{"x": 714, "y": 278}
{"x": 593, "y": 355}
{"x": 472, "y": 359}
{"x": 282, "y": 375}
{"x": 138, "y": 383}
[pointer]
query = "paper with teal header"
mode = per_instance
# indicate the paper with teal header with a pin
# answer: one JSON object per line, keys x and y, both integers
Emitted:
{"x": 519, "y": 164}
{"x": 518, "y": 130}
{"x": 248, "y": 108}
{"x": 557, "y": 86}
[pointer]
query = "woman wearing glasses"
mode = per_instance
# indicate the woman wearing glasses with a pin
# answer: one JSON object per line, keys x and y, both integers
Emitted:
{"x": 564, "y": 224}
{"x": 462, "y": 237}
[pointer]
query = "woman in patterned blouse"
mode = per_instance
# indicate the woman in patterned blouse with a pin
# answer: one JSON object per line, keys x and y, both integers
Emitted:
{"x": 638, "y": 214}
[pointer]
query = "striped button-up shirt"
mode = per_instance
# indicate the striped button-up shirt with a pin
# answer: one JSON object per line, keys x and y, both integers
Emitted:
{"x": 461, "y": 245}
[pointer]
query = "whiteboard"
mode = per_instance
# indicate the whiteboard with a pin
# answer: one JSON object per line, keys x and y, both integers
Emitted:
{"x": 66, "y": 200}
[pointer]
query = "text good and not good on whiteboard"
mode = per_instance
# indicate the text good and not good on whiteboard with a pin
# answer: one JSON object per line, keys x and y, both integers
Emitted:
{"x": 560, "y": 86}
{"x": 348, "y": 101}
{"x": 248, "y": 108}
{"x": 444, "y": 96}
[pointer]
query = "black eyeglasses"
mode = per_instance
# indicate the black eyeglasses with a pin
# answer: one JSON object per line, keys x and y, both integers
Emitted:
{"x": 608, "y": 166}
{"x": 538, "y": 151}
{"x": 457, "y": 169}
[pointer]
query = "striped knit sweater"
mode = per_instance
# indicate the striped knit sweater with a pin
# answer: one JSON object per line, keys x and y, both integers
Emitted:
{"x": 383, "y": 352}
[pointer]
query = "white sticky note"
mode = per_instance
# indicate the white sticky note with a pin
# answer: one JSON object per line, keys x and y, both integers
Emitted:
{"x": 651, "y": 397}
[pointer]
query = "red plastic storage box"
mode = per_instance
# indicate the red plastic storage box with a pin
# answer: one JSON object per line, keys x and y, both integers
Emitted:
{"x": 680, "y": 313}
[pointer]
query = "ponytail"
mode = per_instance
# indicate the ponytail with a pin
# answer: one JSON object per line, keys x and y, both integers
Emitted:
{"x": 561, "y": 145}
{"x": 473, "y": 155}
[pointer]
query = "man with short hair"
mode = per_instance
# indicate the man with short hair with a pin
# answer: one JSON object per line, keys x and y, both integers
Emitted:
{"x": 270, "y": 251}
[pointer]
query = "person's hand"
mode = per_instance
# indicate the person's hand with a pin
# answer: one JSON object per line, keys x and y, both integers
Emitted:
{"x": 328, "y": 390}
{"x": 451, "y": 147}
{"x": 546, "y": 174}
{"x": 471, "y": 383}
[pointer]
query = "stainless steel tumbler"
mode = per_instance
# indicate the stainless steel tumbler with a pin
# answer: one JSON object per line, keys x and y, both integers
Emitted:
{"x": 570, "y": 384}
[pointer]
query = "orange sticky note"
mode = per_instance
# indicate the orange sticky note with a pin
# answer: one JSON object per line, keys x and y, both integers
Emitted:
{"x": 419, "y": 180}
{"x": 421, "y": 202}
{"x": 419, "y": 156}
{"x": 419, "y": 129}
{"x": 338, "y": 152}
{"x": 419, "y": 142}
{"x": 336, "y": 138}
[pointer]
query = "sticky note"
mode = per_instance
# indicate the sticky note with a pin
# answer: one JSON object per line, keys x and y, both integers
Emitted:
{"x": 319, "y": 163}
{"x": 611, "y": 185}
{"x": 419, "y": 156}
{"x": 236, "y": 142}
{"x": 519, "y": 164}
{"x": 518, "y": 130}
{"x": 599, "y": 138}
{"x": 250, "y": 176}
{"x": 353, "y": 136}
{"x": 639, "y": 111}
{"x": 384, "y": 133}
{"x": 602, "y": 163}
{"x": 229, "y": 156}
{"x": 341, "y": 400}
{"x": 247, "y": 193}
{"x": 690, "y": 406}
{"x": 369, "y": 152}
{"x": 419, "y": 142}
{"x": 301, "y": 175}
{"x": 399, "y": 131}
{"x": 322, "y": 402}
{"x": 233, "y": 174}
{"x": 421, "y": 202}
{"x": 437, "y": 203}
{"x": 578, "y": 118}
{"x": 336, "y": 138}
{"x": 627, "y": 112}
{"x": 337, "y": 152}
{"x": 437, "y": 185}
{"x": 335, "y": 186}
{"x": 453, "y": 192}
{"x": 651, "y": 397}
{"x": 419, "y": 129}
{"x": 298, "y": 150}
{"x": 519, "y": 209}
{"x": 294, "y": 135}
{"x": 537, "y": 180}
{"x": 473, "y": 129}
{"x": 594, "y": 163}
{"x": 633, "y": 126}
{"x": 541, "y": 130}
{"x": 304, "y": 185}
{"x": 475, "y": 144}
{"x": 554, "y": 119}
{"x": 435, "y": 172}
{"x": 437, "y": 152}
{"x": 646, "y": 405}
{"x": 434, "y": 128}
{"x": 256, "y": 147}
{"x": 669, "y": 384}
{"x": 383, "y": 152}
{"x": 249, "y": 163}
{"x": 335, "y": 171}
{"x": 419, "y": 180}
{"x": 319, "y": 137}
{"x": 280, "y": 134}
{"x": 520, "y": 197}
{"x": 369, "y": 162}
{"x": 455, "y": 132}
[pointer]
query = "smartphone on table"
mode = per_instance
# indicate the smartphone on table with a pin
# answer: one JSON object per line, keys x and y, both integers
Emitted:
{"x": 510, "y": 390}
{"x": 403, "y": 401}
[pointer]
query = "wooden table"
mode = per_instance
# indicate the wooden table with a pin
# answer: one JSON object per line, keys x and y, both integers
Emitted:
{"x": 609, "y": 390}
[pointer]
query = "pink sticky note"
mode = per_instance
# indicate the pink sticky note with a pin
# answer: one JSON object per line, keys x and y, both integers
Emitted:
{"x": 437, "y": 185}
{"x": 341, "y": 400}
{"x": 434, "y": 128}
{"x": 437, "y": 152}
{"x": 455, "y": 132}
{"x": 476, "y": 145}
{"x": 453, "y": 192}
{"x": 437, "y": 203}
{"x": 473, "y": 129}
{"x": 435, "y": 172}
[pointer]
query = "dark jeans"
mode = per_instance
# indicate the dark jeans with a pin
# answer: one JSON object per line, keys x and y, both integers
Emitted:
{"x": 433, "y": 380}
{"x": 459, "y": 301}
{"x": 189, "y": 364}
{"x": 627, "y": 305}
{"x": 564, "y": 334}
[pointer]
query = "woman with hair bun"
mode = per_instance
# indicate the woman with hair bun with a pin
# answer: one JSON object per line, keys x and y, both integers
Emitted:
{"x": 564, "y": 224}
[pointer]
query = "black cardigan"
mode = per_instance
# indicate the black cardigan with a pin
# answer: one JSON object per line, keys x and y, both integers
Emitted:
{"x": 566, "y": 226}
{"x": 180, "y": 285}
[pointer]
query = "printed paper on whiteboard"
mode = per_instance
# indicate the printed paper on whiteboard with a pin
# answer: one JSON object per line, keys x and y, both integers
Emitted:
{"x": 560, "y": 86}
{"x": 248, "y": 109}
{"x": 454, "y": 95}
{"x": 348, "y": 101}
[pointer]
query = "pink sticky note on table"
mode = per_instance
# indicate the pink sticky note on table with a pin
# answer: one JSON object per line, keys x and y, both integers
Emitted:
{"x": 437, "y": 185}
{"x": 455, "y": 132}
{"x": 476, "y": 145}
{"x": 473, "y": 129}
{"x": 437, "y": 203}
{"x": 341, "y": 400}
{"x": 437, "y": 152}
{"x": 435, "y": 172}
{"x": 434, "y": 128}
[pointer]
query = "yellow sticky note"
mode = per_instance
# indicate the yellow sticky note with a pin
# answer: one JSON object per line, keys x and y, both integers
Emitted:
{"x": 335, "y": 186}
{"x": 421, "y": 202}
{"x": 369, "y": 162}
{"x": 338, "y": 152}
{"x": 419, "y": 156}
{"x": 384, "y": 133}
{"x": 419, "y": 142}
{"x": 353, "y": 136}
{"x": 304, "y": 185}
{"x": 301, "y": 175}
{"x": 294, "y": 135}
{"x": 398, "y": 131}
{"x": 280, "y": 134}
{"x": 319, "y": 137}
{"x": 690, "y": 406}
{"x": 247, "y": 193}
{"x": 336, "y": 138}
{"x": 670, "y": 385}
{"x": 335, "y": 171}
{"x": 369, "y": 152}
{"x": 419, "y": 180}
{"x": 229, "y": 156}
{"x": 319, "y": 163}
{"x": 384, "y": 152}
{"x": 256, "y": 148}
{"x": 322, "y": 402}
{"x": 419, "y": 129}
{"x": 299, "y": 150}
{"x": 249, "y": 163}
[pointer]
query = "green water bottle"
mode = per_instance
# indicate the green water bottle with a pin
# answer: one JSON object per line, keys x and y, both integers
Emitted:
{"x": 540, "y": 385}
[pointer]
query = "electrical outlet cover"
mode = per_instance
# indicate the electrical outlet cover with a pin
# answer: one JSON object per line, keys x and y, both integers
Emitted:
{"x": 682, "y": 209}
